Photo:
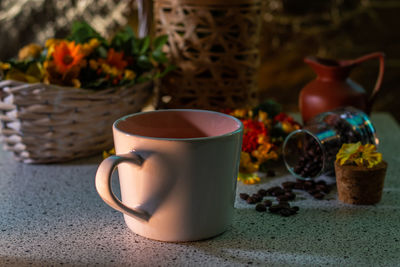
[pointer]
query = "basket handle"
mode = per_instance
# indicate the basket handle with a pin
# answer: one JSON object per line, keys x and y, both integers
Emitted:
{"x": 145, "y": 17}
{"x": 104, "y": 188}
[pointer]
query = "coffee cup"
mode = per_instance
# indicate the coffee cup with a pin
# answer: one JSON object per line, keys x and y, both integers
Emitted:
{"x": 177, "y": 171}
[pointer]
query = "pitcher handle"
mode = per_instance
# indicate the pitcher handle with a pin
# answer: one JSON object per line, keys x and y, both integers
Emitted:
{"x": 103, "y": 183}
{"x": 381, "y": 57}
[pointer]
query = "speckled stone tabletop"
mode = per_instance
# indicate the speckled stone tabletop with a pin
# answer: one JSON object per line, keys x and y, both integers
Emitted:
{"x": 52, "y": 215}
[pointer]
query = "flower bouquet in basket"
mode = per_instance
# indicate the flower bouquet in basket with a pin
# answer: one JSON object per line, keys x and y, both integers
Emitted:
{"x": 58, "y": 101}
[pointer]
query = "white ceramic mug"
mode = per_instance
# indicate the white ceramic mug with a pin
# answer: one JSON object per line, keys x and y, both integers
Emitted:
{"x": 177, "y": 172}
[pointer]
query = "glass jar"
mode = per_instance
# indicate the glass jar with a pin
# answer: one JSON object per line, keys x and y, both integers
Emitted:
{"x": 311, "y": 151}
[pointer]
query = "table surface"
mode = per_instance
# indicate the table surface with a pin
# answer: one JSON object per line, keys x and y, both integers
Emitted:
{"x": 52, "y": 215}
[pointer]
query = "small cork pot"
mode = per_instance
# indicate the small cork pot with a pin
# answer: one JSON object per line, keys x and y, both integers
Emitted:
{"x": 360, "y": 185}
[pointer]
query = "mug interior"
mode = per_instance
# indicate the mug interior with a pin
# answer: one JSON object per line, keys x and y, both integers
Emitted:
{"x": 178, "y": 124}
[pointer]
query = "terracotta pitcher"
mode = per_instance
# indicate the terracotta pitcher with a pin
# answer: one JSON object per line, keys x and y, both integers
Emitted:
{"x": 332, "y": 88}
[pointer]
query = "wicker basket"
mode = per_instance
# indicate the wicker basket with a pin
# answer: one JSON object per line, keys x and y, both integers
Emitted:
{"x": 215, "y": 46}
{"x": 46, "y": 123}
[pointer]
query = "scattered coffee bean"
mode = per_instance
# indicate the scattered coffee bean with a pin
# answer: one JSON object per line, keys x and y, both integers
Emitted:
{"x": 284, "y": 205}
{"x": 257, "y": 197}
{"x": 282, "y": 198}
{"x": 244, "y": 196}
{"x": 262, "y": 192}
{"x": 261, "y": 207}
{"x": 299, "y": 185}
{"x": 318, "y": 196}
{"x": 313, "y": 191}
{"x": 271, "y": 190}
{"x": 277, "y": 192}
{"x": 274, "y": 209}
{"x": 295, "y": 208}
{"x": 290, "y": 195}
{"x": 251, "y": 200}
{"x": 268, "y": 203}
{"x": 323, "y": 188}
{"x": 289, "y": 185}
{"x": 285, "y": 212}
{"x": 288, "y": 190}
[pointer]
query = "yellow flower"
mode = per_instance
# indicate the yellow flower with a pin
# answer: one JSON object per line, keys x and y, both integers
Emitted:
{"x": 33, "y": 74}
{"x": 87, "y": 48}
{"x": 113, "y": 71}
{"x": 4, "y": 66}
{"x": 107, "y": 153}
{"x": 263, "y": 117}
{"x": 246, "y": 165}
{"x": 248, "y": 178}
{"x": 288, "y": 127}
{"x": 240, "y": 113}
{"x": 51, "y": 42}
{"x": 264, "y": 152}
{"x": 360, "y": 155}
{"x": 129, "y": 74}
{"x": 30, "y": 51}
{"x": 346, "y": 151}
{"x": 94, "y": 65}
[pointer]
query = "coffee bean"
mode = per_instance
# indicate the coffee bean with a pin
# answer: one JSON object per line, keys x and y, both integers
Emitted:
{"x": 288, "y": 190}
{"x": 290, "y": 195}
{"x": 288, "y": 185}
{"x": 274, "y": 209}
{"x": 277, "y": 192}
{"x": 282, "y": 198}
{"x": 268, "y": 203}
{"x": 261, "y": 207}
{"x": 285, "y": 212}
{"x": 308, "y": 185}
{"x": 295, "y": 208}
{"x": 323, "y": 188}
{"x": 299, "y": 186}
{"x": 271, "y": 190}
{"x": 318, "y": 196}
{"x": 262, "y": 192}
{"x": 251, "y": 200}
{"x": 284, "y": 205}
{"x": 244, "y": 196}
{"x": 257, "y": 197}
{"x": 313, "y": 191}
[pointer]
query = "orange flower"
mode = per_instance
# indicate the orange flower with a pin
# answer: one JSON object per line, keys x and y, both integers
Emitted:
{"x": 67, "y": 55}
{"x": 115, "y": 59}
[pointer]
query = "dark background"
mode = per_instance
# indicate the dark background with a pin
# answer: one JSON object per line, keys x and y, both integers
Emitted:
{"x": 292, "y": 29}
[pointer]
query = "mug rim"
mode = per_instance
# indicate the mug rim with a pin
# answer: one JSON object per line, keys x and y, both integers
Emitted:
{"x": 238, "y": 130}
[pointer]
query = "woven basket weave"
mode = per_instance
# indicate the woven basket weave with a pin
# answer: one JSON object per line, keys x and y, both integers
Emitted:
{"x": 46, "y": 123}
{"x": 215, "y": 46}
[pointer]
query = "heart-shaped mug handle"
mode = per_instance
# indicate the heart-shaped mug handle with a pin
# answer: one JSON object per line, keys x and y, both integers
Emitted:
{"x": 104, "y": 188}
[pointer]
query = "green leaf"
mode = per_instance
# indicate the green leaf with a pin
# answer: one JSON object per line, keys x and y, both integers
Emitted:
{"x": 102, "y": 51}
{"x": 271, "y": 107}
{"x": 125, "y": 40}
{"x": 144, "y": 63}
{"x": 160, "y": 41}
{"x": 82, "y": 32}
{"x": 145, "y": 44}
{"x": 159, "y": 56}
{"x": 165, "y": 71}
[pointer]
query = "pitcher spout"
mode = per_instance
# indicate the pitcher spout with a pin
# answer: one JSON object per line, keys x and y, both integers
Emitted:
{"x": 329, "y": 69}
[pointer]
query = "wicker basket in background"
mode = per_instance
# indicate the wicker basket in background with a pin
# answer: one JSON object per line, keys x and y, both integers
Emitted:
{"x": 46, "y": 123}
{"x": 214, "y": 44}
